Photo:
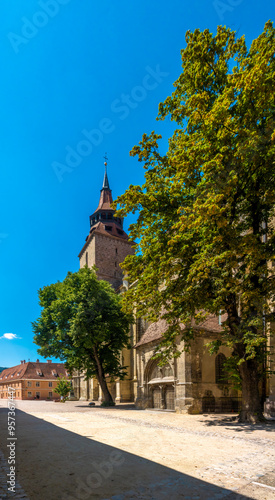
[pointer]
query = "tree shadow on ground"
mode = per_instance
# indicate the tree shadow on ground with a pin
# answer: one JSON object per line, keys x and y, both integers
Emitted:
{"x": 57, "y": 464}
{"x": 125, "y": 406}
{"x": 232, "y": 423}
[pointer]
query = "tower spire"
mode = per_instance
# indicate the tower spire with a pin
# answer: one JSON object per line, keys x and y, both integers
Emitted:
{"x": 105, "y": 180}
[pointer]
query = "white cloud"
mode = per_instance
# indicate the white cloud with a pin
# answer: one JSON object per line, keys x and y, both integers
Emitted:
{"x": 10, "y": 336}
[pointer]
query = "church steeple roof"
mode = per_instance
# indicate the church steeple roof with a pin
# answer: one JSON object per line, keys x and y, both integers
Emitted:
{"x": 105, "y": 180}
{"x": 106, "y": 198}
{"x": 103, "y": 221}
{"x": 104, "y": 213}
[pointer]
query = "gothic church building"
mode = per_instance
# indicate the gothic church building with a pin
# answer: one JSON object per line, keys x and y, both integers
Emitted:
{"x": 192, "y": 383}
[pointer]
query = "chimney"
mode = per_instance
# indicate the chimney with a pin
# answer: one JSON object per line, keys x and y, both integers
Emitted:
{"x": 49, "y": 360}
{"x": 22, "y": 362}
{"x": 37, "y": 361}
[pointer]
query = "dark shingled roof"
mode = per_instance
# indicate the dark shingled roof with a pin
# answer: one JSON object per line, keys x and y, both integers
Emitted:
{"x": 156, "y": 330}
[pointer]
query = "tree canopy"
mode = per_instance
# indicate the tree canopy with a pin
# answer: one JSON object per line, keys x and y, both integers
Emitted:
{"x": 204, "y": 226}
{"x": 82, "y": 323}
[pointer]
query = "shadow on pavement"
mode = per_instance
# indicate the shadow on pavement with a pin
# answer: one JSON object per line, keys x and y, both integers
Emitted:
{"x": 124, "y": 406}
{"x": 55, "y": 464}
{"x": 233, "y": 424}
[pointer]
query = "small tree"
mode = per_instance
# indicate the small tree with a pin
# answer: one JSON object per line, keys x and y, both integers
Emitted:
{"x": 83, "y": 324}
{"x": 63, "y": 388}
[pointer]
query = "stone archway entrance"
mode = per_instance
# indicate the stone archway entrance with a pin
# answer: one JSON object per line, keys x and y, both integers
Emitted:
{"x": 160, "y": 386}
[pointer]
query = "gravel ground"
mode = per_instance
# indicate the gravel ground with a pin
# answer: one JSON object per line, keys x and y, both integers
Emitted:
{"x": 70, "y": 451}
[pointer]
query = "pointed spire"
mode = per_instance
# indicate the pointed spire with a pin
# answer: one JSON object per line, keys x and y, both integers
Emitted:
{"x": 105, "y": 180}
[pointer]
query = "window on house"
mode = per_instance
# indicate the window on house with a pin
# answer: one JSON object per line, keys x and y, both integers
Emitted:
{"x": 86, "y": 258}
{"x": 29, "y": 384}
{"x": 29, "y": 394}
{"x": 108, "y": 228}
{"x": 37, "y": 395}
{"x": 50, "y": 384}
{"x": 37, "y": 384}
{"x": 50, "y": 394}
{"x": 221, "y": 376}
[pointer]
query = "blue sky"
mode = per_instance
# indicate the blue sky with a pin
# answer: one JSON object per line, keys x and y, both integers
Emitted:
{"x": 74, "y": 69}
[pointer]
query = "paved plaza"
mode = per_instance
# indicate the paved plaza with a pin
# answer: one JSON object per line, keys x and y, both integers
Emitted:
{"x": 73, "y": 452}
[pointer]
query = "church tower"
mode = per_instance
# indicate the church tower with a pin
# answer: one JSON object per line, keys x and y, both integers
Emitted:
{"x": 107, "y": 244}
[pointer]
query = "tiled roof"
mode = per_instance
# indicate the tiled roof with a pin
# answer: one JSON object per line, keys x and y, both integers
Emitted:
{"x": 153, "y": 332}
{"x": 99, "y": 228}
{"x": 114, "y": 231}
{"x": 105, "y": 200}
{"x": 156, "y": 330}
{"x": 31, "y": 370}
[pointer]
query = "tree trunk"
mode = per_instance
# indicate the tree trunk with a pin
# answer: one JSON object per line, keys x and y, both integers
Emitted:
{"x": 251, "y": 401}
{"x": 101, "y": 379}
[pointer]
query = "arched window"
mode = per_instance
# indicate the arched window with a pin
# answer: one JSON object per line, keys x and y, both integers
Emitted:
{"x": 221, "y": 375}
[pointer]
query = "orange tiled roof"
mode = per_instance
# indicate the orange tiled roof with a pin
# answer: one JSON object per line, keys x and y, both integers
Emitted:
{"x": 105, "y": 200}
{"x": 31, "y": 370}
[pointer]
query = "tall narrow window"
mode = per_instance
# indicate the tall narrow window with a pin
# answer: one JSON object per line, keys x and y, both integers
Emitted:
{"x": 221, "y": 376}
{"x": 87, "y": 259}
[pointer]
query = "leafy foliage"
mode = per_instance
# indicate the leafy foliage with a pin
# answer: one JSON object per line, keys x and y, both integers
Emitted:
{"x": 82, "y": 323}
{"x": 205, "y": 211}
{"x": 63, "y": 387}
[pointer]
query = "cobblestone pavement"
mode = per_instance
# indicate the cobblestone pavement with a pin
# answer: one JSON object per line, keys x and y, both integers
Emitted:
{"x": 66, "y": 452}
{"x": 228, "y": 474}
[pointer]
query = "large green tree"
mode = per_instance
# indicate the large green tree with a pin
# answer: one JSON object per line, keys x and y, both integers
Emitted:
{"x": 205, "y": 211}
{"x": 82, "y": 323}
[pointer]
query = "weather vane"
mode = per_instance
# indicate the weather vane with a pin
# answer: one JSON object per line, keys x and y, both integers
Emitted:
{"x": 106, "y": 159}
